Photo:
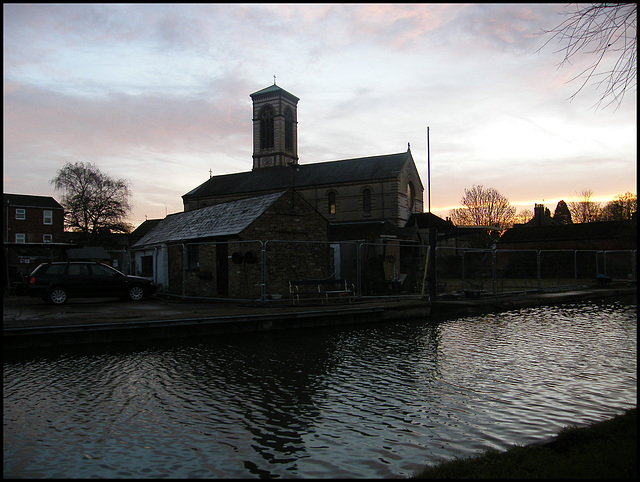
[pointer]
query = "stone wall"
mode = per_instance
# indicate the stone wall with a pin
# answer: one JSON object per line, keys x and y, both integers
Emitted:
{"x": 294, "y": 238}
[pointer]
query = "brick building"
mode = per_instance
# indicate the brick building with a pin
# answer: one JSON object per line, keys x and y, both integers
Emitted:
{"x": 32, "y": 219}
{"x": 33, "y": 233}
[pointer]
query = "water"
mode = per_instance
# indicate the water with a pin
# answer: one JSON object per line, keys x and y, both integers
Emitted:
{"x": 359, "y": 402}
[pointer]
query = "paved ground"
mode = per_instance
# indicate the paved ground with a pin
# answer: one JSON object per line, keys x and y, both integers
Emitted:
{"x": 24, "y": 311}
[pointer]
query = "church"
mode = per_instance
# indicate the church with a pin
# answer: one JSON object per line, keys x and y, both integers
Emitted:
{"x": 343, "y": 211}
{"x": 362, "y": 198}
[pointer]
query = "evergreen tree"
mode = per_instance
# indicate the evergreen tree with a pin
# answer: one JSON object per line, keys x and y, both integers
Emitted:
{"x": 562, "y": 214}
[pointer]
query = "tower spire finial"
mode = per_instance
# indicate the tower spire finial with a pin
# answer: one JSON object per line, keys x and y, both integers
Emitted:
{"x": 274, "y": 80}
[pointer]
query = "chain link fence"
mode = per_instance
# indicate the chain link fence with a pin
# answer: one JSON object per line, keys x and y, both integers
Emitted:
{"x": 261, "y": 271}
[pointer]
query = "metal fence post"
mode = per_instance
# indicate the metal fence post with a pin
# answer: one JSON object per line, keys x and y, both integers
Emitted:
{"x": 359, "y": 271}
{"x": 263, "y": 271}
{"x": 539, "y": 268}
{"x": 464, "y": 252}
{"x": 494, "y": 256}
{"x": 184, "y": 270}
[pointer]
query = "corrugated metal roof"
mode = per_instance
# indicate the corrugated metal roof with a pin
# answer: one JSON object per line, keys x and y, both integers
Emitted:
{"x": 225, "y": 219}
{"x": 304, "y": 175}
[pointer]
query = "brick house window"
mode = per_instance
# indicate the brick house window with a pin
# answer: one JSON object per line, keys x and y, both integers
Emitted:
{"x": 47, "y": 238}
{"x": 20, "y": 214}
{"x": 47, "y": 217}
{"x": 21, "y": 238}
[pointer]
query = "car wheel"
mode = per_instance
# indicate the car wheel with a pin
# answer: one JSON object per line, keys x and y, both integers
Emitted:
{"x": 57, "y": 296}
{"x": 136, "y": 293}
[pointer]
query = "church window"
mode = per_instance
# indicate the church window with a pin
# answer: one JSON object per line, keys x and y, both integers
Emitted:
{"x": 266, "y": 127}
{"x": 411, "y": 196}
{"x": 288, "y": 130}
{"x": 366, "y": 200}
{"x": 332, "y": 202}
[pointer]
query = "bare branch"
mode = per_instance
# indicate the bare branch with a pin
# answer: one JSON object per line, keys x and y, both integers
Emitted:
{"x": 604, "y": 30}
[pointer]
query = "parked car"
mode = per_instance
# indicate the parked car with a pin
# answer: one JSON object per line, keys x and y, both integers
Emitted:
{"x": 56, "y": 282}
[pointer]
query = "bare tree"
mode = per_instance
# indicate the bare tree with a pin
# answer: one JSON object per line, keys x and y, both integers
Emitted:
{"x": 582, "y": 209}
{"x": 484, "y": 207}
{"x": 605, "y": 30}
{"x": 523, "y": 217}
{"x": 620, "y": 208}
{"x": 93, "y": 201}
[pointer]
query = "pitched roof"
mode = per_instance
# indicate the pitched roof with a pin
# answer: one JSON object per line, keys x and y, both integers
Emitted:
{"x": 426, "y": 220}
{"x": 304, "y": 175}
{"x": 30, "y": 201}
{"x": 223, "y": 219}
{"x": 273, "y": 89}
{"x": 144, "y": 228}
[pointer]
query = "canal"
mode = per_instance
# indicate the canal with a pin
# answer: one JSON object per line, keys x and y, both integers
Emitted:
{"x": 376, "y": 401}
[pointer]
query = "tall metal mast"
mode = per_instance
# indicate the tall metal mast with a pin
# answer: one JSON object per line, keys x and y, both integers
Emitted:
{"x": 428, "y": 172}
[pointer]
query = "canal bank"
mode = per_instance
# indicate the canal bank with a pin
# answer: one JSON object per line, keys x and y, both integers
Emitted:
{"x": 28, "y": 323}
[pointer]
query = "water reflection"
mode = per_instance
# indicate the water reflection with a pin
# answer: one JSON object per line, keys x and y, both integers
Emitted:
{"x": 375, "y": 401}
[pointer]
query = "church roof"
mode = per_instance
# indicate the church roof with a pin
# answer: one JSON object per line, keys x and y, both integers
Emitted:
{"x": 225, "y": 219}
{"x": 304, "y": 175}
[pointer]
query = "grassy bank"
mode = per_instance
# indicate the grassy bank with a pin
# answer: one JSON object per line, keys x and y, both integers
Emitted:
{"x": 604, "y": 450}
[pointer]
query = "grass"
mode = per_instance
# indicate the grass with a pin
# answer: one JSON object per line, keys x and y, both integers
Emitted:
{"x": 603, "y": 450}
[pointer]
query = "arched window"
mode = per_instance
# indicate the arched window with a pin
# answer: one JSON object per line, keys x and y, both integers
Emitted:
{"x": 288, "y": 130}
{"x": 331, "y": 198}
{"x": 266, "y": 127}
{"x": 366, "y": 200}
{"x": 411, "y": 196}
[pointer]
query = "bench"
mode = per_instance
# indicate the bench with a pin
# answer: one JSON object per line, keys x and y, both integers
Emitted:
{"x": 320, "y": 288}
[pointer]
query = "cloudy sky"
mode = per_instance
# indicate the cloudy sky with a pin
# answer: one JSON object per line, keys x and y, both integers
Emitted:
{"x": 159, "y": 95}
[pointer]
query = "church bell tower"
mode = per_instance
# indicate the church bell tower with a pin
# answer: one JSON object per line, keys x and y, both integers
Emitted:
{"x": 275, "y": 128}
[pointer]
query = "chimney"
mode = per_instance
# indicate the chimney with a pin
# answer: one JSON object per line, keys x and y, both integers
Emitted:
{"x": 538, "y": 214}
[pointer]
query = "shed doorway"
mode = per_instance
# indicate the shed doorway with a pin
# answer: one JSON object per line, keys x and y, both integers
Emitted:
{"x": 222, "y": 268}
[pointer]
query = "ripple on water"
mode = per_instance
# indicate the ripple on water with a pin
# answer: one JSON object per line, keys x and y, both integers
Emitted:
{"x": 375, "y": 401}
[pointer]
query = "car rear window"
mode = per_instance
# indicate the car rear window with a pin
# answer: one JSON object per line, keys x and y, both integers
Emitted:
{"x": 78, "y": 270}
{"x": 100, "y": 271}
{"x": 54, "y": 269}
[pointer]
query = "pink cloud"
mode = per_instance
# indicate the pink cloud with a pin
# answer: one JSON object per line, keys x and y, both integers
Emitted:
{"x": 117, "y": 123}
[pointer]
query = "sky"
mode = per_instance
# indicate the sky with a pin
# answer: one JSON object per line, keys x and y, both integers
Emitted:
{"x": 158, "y": 94}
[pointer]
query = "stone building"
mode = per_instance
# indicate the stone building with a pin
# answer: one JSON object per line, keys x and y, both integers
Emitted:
{"x": 229, "y": 249}
{"x": 369, "y": 191}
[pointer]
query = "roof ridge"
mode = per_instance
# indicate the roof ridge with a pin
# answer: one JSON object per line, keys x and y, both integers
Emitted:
{"x": 317, "y": 173}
